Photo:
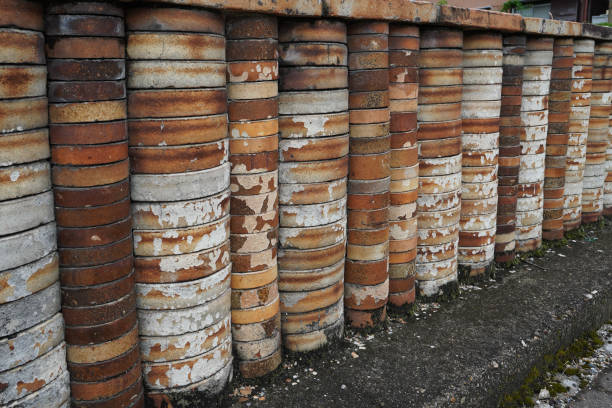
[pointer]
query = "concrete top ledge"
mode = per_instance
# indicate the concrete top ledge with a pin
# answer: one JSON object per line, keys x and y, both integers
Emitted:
{"x": 534, "y": 25}
{"x": 479, "y": 19}
{"x": 597, "y": 32}
{"x": 419, "y": 12}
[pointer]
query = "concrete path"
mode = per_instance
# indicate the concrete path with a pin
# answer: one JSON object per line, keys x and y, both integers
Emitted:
{"x": 599, "y": 395}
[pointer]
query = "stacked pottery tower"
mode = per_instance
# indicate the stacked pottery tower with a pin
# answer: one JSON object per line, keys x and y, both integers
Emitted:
{"x": 439, "y": 149}
{"x": 367, "y": 255}
{"x": 252, "y": 73}
{"x": 558, "y": 133}
{"x": 88, "y": 134}
{"x": 33, "y": 370}
{"x": 597, "y": 141}
{"x": 482, "y": 84}
{"x": 180, "y": 198}
{"x": 607, "y": 199}
{"x": 534, "y": 131}
{"x": 509, "y": 147}
{"x": 403, "y": 190}
{"x": 580, "y": 108}
{"x": 313, "y": 128}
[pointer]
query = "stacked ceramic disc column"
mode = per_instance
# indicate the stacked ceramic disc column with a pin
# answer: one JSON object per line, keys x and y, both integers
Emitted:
{"x": 597, "y": 141}
{"x": 367, "y": 256}
{"x": 403, "y": 93}
{"x": 180, "y": 193}
{"x": 252, "y": 72}
{"x": 439, "y": 148}
{"x": 89, "y": 152}
{"x": 33, "y": 370}
{"x": 313, "y": 149}
{"x": 556, "y": 143}
{"x": 482, "y": 84}
{"x": 608, "y": 181}
{"x": 509, "y": 146}
{"x": 580, "y": 108}
{"x": 534, "y": 130}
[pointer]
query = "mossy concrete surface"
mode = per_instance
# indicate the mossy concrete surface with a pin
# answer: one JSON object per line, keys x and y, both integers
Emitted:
{"x": 470, "y": 353}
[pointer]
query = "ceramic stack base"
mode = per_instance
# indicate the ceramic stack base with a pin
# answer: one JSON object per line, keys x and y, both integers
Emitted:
{"x": 253, "y": 83}
{"x": 595, "y": 172}
{"x": 366, "y": 286}
{"x": 509, "y": 147}
{"x": 439, "y": 142}
{"x": 481, "y": 104}
{"x": 33, "y": 370}
{"x": 403, "y": 94}
{"x": 180, "y": 198}
{"x": 534, "y": 130}
{"x": 89, "y": 153}
{"x": 580, "y": 108}
{"x": 556, "y": 144}
{"x": 313, "y": 154}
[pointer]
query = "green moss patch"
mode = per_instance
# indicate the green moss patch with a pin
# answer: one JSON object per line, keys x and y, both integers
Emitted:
{"x": 542, "y": 375}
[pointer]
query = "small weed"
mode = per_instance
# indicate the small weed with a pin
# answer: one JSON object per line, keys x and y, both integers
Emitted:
{"x": 536, "y": 253}
{"x": 572, "y": 371}
{"x": 510, "y": 264}
{"x": 491, "y": 271}
{"x": 556, "y": 388}
{"x": 577, "y": 234}
{"x": 559, "y": 243}
{"x": 540, "y": 252}
{"x": 403, "y": 311}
